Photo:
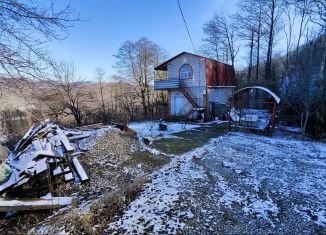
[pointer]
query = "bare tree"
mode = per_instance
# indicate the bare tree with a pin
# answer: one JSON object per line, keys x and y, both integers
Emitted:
{"x": 317, "y": 10}
{"x": 272, "y": 9}
{"x": 25, "y": 28}
{"x": 248, "y": 23}
{"x": 213, "y": 40}
{"x": 288, "y": 26}
{"x": 104, "y": 112}
{"x": 128, "y": 102}
{"x": 306, "y": 85}
{"x": 136, "y": 60}
{"x": 67, "y": 95}
{"x": 296, "y": 13}
{"x": 260, "y": 34}
{"x": 220, "y": 35}
{"x": 312, "y": 11}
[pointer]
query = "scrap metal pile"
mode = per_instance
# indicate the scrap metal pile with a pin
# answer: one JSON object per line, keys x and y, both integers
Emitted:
{"x": 46, "y": 153}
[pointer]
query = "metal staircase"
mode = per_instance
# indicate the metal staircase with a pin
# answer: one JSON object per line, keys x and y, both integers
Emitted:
{"x": 190, "y": 96}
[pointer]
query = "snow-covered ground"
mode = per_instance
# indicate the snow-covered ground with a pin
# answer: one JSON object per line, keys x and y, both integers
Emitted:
{"x": 296, "y": 130}
{"x": 232, "y": 183}
{"x": 151, "y": 128}
{"x": 236, "y": 183}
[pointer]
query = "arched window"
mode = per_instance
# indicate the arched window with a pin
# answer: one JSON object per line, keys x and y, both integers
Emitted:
{"x": 185, "y": 72}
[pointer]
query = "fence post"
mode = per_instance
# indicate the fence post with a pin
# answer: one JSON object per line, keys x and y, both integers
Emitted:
{"x": 240, "y": 106}
{"x": 273, "y": 119}
{"x": 229, "y": 117}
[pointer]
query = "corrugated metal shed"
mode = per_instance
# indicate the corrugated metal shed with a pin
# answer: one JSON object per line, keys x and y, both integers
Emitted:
{"x": 219, "y": 74}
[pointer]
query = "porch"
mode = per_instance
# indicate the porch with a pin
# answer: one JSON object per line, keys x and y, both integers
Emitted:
{"x": 167, "y": 84}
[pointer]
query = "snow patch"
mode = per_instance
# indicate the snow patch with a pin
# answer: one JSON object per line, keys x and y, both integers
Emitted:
{"x": 151, "y": 128}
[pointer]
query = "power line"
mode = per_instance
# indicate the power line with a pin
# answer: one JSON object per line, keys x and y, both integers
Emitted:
{"x": 184, "y": 20}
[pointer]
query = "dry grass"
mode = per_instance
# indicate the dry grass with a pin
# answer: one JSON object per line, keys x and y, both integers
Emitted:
{"x": 95, "y": 220}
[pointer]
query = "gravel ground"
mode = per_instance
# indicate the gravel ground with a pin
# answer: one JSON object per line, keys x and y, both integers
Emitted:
{"x": 236, "y": 183}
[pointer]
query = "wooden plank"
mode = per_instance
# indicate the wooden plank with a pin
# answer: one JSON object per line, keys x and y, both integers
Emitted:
{"x": 57, "y": 171}
{"x": 80, "y": 170}
{"x": 64, "y": 140}
{"x": 34, "y": 204}
{"x": 31, "y": 132}
{"x": 37, "y": 145}
{"x": 69, "y": 176}
{"x": 78, "y": 137}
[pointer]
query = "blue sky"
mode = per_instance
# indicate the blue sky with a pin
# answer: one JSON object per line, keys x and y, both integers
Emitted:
{"x": 93, "y": 43}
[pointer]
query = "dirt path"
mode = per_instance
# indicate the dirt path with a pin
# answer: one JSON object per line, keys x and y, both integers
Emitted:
{"x": 236, "y": 183}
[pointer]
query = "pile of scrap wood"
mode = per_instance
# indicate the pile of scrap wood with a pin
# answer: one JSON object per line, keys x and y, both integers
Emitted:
{"x": 44, "y": 157}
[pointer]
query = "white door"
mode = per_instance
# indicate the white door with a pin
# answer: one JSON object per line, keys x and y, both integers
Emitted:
{"x": 177, "y": 103}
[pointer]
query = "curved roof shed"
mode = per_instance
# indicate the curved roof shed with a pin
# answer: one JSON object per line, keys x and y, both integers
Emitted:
{"x": 242, "y": 90}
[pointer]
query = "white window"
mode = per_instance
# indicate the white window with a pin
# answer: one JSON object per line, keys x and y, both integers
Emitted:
{"x": 186, "y": 71}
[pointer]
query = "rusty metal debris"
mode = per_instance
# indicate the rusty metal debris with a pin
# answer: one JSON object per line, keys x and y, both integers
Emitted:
{"x": 45, "y": 153}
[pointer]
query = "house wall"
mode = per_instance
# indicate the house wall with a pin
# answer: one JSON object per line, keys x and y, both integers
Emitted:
{"x": 205, "y": 72}
{"x": 184, "y": 105}
{"x": 219, "y": 94}
{"x": 217, "y": 100}
{"x": 198, "y": 82}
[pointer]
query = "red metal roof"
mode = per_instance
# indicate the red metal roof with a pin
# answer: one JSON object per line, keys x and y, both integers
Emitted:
{"x": 163, "y": 66}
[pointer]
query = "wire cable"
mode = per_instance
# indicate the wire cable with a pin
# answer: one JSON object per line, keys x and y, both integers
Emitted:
{"x": 184, "y": 20}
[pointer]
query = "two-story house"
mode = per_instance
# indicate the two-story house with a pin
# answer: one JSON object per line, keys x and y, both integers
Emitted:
{"x": 195, "y": 83}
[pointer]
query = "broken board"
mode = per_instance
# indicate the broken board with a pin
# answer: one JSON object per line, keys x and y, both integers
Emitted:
{"x": 80, "y": 170}
{"x": 34, "y": 204}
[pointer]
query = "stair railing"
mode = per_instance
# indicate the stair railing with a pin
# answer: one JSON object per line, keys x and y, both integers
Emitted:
{"x": 188, "y": 93}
